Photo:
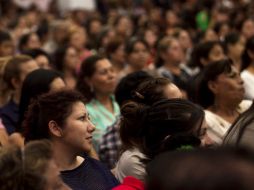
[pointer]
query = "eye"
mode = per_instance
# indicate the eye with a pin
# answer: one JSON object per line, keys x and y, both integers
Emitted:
{"x": 82, "y": 118}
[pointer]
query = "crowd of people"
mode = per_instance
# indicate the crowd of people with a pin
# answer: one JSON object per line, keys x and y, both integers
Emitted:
{"x": 139, "y": 94}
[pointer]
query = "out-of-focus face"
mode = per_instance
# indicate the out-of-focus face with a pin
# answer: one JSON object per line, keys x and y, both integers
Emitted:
{"x": 95, "y": 27}
{"x": 172, "y": 91}
{"x": 119, "y": 55}
{"x": 248, "y": 29}
{"x": 138, "y": 58}
{"x": 78, "y": 129}
{"x": 185, "y": 40}
{"x": 53, "y": 179}
{"x": 150, "y": 38}
{"x": 216, "y": 54}
{"x": 78, "y": 39}
{"x": 57, "y": 84}
{"x": 6, "y": 48}
{"x": 33, "y": 42}
{"x": 26, "y": 68}
{"x": 229, "y": 87}
{"x": 237, "y": 49}
{"x": 104, "y": 79}
{"x": 42, "y": 62}
{"x": 124, "y": 27}
{"x": 210, "y": 35}
{"x": 175, "y": 52}
{"x": 71, "y": 60}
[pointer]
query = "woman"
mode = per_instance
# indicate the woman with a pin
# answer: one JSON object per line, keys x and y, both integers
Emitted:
{"x": 234, "y": 44}
{"x": 241, "y": 132}
{"x": 67, "y": 61}
{"x": 145, "y": 131}
{"x": 170, "y": 56}
{"x": 137, "y": 54}
{"x": 97, "y": 82}
{"x": 220, "y": 91}
{"x": 36, "y": 83}
{"x": 247, "y": 69}
{"x": 30, "y": 168}
{"x": 65, "y": 122}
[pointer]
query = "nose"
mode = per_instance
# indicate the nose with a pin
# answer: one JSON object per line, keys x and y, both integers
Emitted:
{"x": 91, "y": 127}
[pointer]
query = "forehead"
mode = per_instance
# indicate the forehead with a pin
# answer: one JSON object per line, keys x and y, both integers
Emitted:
{"x": 103, "y": 63}
{"x": 78, "y": 108}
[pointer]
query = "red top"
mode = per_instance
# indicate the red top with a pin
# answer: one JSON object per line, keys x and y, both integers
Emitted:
{"x": 130, "y": 183}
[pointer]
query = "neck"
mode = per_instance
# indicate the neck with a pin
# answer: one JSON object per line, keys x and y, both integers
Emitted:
{"x": 68, "y": 73}
{"x": 250, "y": 68}
{"x": 106, "y": 102}
{"x": 174, "y": 68}
{"x": 118, "y": 66}
{"x": 65, "y": 157}
{"x": 102, "y": 98}
{"x": 236, "y": 60}
{"x": 16, "y": 97}
{"x": 228, "y": 111}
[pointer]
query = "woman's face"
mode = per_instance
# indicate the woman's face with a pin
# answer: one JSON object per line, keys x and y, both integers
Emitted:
{"x": 78, "y": 39}
{"x": 216, "y": 54}
{"x": 248, "y": 28}
{"x": 175, "y": 52}
{"x": 185, "y": 40}
{"x": 237, "y": 48}
{"x": 33, "y": 42}
{"x": 138, "y": 58}
{"x": 57, "y": 84}
{"x": 119, "y": 55}
{"x": 78, "y": 129}
{"x": 103, "y": 80}
{"x": 71, "y": 60}
{"x": 228, "y": 87}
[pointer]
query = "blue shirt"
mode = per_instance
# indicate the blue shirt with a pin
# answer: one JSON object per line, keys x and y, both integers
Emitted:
{"x": 10, "y": 115}
{"x": 90, "y": 175}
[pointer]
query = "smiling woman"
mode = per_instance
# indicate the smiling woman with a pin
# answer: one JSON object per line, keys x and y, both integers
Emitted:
{"x": 65, "y": 122}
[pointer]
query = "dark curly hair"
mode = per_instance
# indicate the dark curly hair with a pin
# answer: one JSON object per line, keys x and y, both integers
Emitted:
{"x": 55, "y": 106}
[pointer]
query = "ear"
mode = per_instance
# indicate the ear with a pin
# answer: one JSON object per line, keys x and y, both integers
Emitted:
{"x": 15, "y": 83}
{"x": 212, "y": 85}
{"x": 250, "y": 54}
{"x": 203, "y": 61}
{"x": 55, "y": 129}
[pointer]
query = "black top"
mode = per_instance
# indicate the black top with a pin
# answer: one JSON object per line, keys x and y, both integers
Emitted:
{"x": 90, "y": 175}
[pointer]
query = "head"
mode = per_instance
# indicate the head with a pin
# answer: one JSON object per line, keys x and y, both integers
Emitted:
{"x": 248, "y": 54}
{"x": 115, "y": 51}
{"x": 206, "y": 52}
{"x": 6, "y": 44}
{"x": 40, "y": 56}
{"x": 126, "y": 87}
{"x": 123, "y": 26}
{"x": 223, "y": 168}
{"x": 155, "y": 89}
{"x": 234, "y": 44}
{"x": 96, "y": 77}
{"x": 137, "y": 53}
{"x": 29, "y": 41}
{"x": 31, "y": 168}
{"x": 222, "y": 29}
{"x": 66, "y": 58}
{"x": 62, "y": 118}
{"x": 168, "y": 124}
{"x": 220, "y": 80}
{"x": 169, "y": 52}
{"x": 247, "y": 28}
{"x": 36, "y": 83}
{"x": 16, "y": 69}
{"x": 78, "y": 38}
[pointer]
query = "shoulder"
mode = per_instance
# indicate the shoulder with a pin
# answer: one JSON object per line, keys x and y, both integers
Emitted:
{"x": 244, "y": 105}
